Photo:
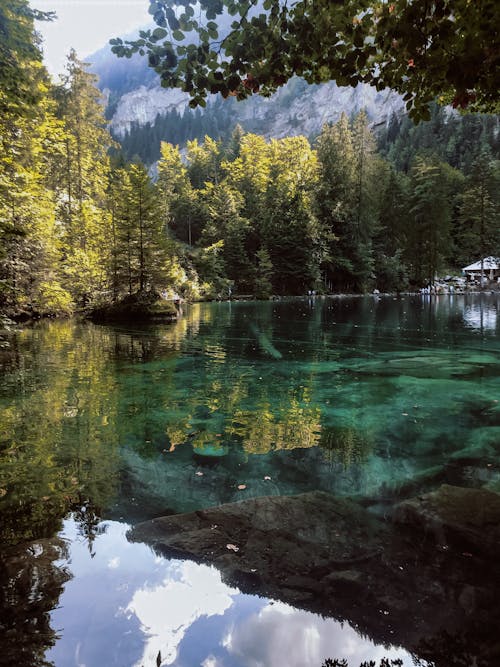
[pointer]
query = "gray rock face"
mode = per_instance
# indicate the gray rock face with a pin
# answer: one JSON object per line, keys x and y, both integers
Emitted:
{"x": 295, "y": 109}
{"x": 143, "y": 104}
{"x": 331, "y": 556}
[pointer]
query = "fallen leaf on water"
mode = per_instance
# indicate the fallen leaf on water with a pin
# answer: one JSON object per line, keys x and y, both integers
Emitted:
{"x": 199, "y": 473}
{"x": 232, "y": 547}
{"x": 242, "y": 486}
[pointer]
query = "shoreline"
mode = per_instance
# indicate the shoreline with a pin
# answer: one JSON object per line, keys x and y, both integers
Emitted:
{"x": 13, "y": 319}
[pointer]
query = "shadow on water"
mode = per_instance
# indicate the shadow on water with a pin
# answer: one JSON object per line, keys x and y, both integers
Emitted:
{"x": 377, "y": 400}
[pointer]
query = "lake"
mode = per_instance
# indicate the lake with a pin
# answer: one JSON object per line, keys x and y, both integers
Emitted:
{"x": 371, "y": 399}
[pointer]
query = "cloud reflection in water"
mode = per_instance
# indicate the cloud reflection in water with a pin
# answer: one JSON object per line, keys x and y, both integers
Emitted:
{"x": 125, "y": 604}
{"x": 166, "y": 611}
{"x": 281, "y": 635}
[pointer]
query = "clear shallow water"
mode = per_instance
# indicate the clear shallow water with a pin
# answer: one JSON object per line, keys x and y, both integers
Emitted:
{"x": 111, "y": 426}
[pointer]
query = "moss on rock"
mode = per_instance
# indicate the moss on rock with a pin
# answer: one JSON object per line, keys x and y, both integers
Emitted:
{"x": 145, "y": 306}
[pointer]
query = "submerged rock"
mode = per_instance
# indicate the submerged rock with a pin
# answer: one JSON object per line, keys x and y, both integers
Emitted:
{"x": 272, "y": 532}
{"x": 468, "y": 518}
{"x": 331, "y": 556}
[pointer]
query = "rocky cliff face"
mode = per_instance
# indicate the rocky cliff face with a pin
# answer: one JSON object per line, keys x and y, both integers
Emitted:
{"x": 142, "y": 105}
{"x": 296, "y": 108}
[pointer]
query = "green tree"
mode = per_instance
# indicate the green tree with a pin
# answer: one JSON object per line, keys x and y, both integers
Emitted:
{"x": 390, "y": 238}
{"x": 366, "y": 202}
{"x": 222, "y": 206}
{"x": 150, "y": 230}
{"x": 29, "y": 238}
{"x": 422, "y": 49}
{"x": 123, "y": 256}
{"x": 479, "y": 229}
{"x": 249, "y": 174}
{"x": 232, "y": 148}
{"x": 20, "y": 58}
{"x": 203, "y": 162}
{"x": 289, "y": 229}
{"x": 345, "y": 203}
{"x": 263, "y": 284}
{"x": 429, "y": 237}
{"x": 179, "y": 200}
{"x": 83, "y": 175}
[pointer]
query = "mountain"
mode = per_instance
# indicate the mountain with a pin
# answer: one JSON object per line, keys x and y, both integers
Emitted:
{"x": 142, "y": 113}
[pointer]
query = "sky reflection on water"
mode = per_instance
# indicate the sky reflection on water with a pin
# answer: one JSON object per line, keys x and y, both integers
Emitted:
{"x": 125, "y": 605}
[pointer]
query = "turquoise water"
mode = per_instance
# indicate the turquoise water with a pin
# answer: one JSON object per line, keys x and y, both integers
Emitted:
{"x": 101, "y": 427}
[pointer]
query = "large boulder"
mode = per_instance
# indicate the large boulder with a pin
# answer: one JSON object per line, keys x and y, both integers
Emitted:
{"x": 142, "y": 306}
{"x": 456, "y": 517}
{"x": 329, "y": 555}
{"x": 272, "y": 540}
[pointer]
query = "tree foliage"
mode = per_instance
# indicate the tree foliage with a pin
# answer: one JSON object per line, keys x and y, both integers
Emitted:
{"x": 424, "y": 49}
{"x": 480, "y": 209}
{"x": 20, "y": 57}
{"x": 79, "y": 227}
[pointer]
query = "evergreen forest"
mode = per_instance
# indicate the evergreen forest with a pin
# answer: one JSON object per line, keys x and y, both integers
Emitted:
{"x": 84, "y": 222}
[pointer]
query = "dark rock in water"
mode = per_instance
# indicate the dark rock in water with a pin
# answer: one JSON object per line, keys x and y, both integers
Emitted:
{"x": 276, "y": 536}
{"x": 331, "y": 556}
{"x": 145, "y": 306}
{"x": 457, "y": 516}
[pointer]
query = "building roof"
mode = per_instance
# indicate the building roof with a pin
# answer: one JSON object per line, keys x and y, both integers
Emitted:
{"x": 488, "y": 264}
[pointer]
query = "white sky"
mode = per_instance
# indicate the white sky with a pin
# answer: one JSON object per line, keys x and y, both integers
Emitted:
{"x": 86, "y": 26}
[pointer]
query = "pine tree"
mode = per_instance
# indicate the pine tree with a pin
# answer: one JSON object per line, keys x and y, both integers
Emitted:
{"x": 29, "y": 245}
{"x": 263, "y": 283}
{"x": 222, "y": 207}
{"x": 204, "y": 162}
{"x": 339, "y": 201}
{"x": 365, "y": 198}
{"x": 430, "y": 208}
{"x": 479, "y": 229}
{"x": 84, "y": 177}
{"x": 289, "y": 230}
{"x": 149, "y": 229}
{"x": 390, "y": 238}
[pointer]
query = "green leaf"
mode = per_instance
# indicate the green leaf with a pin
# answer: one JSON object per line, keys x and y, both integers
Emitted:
{"x": 154, "y": 7}
{"x": 159, "y": 33}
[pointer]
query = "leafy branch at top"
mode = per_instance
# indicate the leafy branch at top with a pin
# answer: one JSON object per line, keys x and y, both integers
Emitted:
{"x": 423, "y": 49}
